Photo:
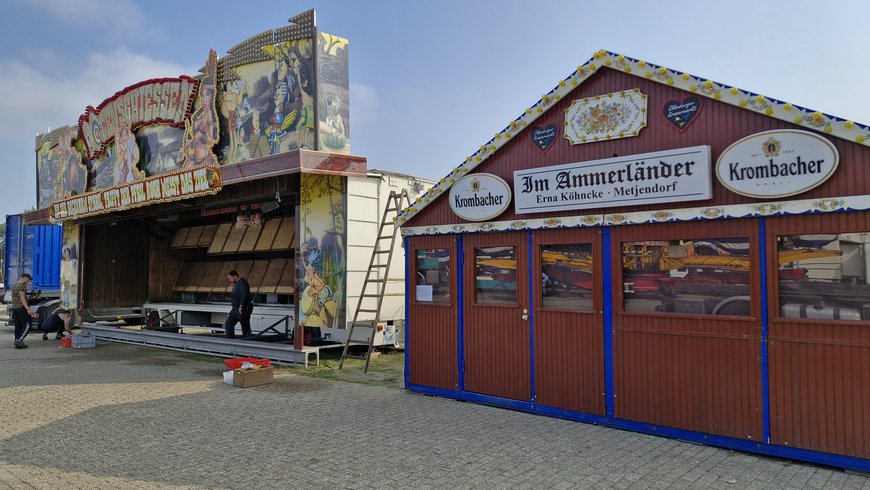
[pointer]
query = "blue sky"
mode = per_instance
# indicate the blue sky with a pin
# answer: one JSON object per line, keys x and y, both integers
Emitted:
{"x": 430, "y": 80}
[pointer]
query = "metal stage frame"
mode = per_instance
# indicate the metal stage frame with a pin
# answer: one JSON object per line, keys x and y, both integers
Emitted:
{"x": 276, "y": 352}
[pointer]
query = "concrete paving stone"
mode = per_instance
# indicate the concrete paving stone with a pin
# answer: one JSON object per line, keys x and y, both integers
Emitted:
{"x": 130, "y": 417}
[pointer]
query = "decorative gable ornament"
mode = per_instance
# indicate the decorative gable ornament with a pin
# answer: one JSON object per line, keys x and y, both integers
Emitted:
{"x": 606, "y": 117}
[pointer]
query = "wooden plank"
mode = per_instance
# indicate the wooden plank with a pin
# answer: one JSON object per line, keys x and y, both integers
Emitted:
{"x": 182, "y": 280}
{"x": 180, "y": 237}
{"x": 210, "y": 278}
{"x": 252, "y": 234}
{"x": 284, "y": 238}
{"x": 287, "y": 283}
{"x": 208, "y": 232}
{"x": 255, "y": 277}
{"x": 243, "y": 267}
{"x": 222, "y": 285}
{"x": 197, "y": 272}
{"x": 267, "y": 235}
{"x": 234, "y": 239}
{"x": 193, "y": 237}
{"x": 273, "y": 276}
{"x": 220, "y": 237}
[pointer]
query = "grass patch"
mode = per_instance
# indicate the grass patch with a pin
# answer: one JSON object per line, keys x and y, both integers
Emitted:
{"x": 386, "y": 370}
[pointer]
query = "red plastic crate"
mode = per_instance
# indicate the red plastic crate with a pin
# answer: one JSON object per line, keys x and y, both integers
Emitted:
{"x": 237, "y": 362}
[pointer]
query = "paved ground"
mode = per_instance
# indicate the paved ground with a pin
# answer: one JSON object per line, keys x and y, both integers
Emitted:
{"x": 130, "y": 417}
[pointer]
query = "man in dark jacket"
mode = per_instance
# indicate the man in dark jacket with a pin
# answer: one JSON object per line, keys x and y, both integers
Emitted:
{"x": 243, "y": 306}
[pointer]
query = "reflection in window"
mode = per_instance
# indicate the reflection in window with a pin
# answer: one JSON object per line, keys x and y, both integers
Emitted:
{"x": 566, "y": 275}
{"x": 824, "y": 276}
{"x": 495, "y": 271}
{"x": 433, "y": 275}
{"x": 699, "y": 277}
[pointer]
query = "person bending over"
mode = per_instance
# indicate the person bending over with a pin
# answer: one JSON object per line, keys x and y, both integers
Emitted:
{"x": 58, "y": 322}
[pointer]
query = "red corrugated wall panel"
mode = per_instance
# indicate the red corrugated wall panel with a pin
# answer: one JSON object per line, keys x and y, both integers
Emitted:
{"x": 819, "y": 370}
{"x": 432, "y": 346}
{"x": 496, "y": 338}
{"x": 694, "y": 372}
{"x": 569, "y": 344}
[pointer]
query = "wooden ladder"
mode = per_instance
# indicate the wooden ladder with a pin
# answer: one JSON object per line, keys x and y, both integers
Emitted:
{"x": 384, "y": 245}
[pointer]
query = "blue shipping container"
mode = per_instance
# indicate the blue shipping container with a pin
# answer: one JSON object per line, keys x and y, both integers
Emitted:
{"x": 35, "y": 250}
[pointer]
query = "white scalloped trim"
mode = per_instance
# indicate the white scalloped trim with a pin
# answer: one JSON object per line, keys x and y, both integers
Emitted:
{"x": 825, "y": 205}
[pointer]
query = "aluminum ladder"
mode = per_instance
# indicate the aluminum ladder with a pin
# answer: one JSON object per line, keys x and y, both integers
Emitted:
{"x": 384, "y": 245}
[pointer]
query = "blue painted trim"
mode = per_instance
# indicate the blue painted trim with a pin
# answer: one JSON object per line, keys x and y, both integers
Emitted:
{"x": 765, "y": 315}
{"x": 561, "y": 413}
{"x": 607, "y": 293}
{"x": 530, "y": 254}
{"x": 460, "y": 309}
{"x": 758, "y": 447}
{"x": 406, "y": 244}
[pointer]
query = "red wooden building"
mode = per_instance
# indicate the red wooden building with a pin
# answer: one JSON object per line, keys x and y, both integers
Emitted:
{"x": 650, "y": 250}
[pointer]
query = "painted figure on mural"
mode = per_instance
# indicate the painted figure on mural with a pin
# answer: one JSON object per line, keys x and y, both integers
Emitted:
{"x": 281, "y": 120}
{"x": 201, "y": 130}
{"x": 301, "y": 69}
{"x": 48, "y": 176}
{"x": 234, "y": 107}
{"x": 317, "y": 303}
{"x": 333, "y": 128}
{"x": 75, "y": 175}
{"x": 69, "y": 270}
{"x": 126, "y": 158}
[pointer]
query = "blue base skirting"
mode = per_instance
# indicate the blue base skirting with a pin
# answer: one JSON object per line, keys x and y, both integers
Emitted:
{"x": 758, "y": 447}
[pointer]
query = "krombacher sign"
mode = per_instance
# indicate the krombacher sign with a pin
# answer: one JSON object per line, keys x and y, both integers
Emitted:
{"x": 777, "y": 163}
{"x": 479, "y": 197}
{"x": 664, "y": 176}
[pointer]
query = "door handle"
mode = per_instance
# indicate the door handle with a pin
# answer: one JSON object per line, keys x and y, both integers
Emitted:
{"x": 525, "y": 314}
{"x": 525, "y": 317}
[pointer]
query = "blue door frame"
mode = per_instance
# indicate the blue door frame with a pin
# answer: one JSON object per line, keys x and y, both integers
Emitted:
{"x": 610, "y": 420}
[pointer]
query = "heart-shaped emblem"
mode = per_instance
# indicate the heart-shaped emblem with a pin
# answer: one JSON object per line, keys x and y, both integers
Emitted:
{"x": 543, "y": 137}
{"x": 682, "y": 113}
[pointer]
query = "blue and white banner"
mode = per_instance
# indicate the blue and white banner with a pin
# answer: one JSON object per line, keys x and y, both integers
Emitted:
{"x": 677, "y": 175}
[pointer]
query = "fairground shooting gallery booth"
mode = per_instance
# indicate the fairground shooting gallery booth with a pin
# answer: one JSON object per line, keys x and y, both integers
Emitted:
{"x": 650, "y": 250}
{"x": 171, "y": 183}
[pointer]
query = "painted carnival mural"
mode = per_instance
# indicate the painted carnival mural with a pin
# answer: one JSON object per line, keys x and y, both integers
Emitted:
{"x": 333, "y": 94}
{"x": 276, "y": 92}
{"x": 323, "y": 251}
{"x": 267, "y": 107}
{"x": 150, "y": 142}
{"x": 69, "y": 267}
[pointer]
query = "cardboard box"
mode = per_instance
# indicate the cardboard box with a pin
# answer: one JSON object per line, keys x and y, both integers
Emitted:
{"x": 252, "y": 376}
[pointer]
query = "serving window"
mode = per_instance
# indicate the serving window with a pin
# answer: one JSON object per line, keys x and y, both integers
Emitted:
{"x": 433, "y": 276}
{"x": 692, "y": 276}
{"x": 824, "y": 276}
{"x": 566, "y": 276}
{"x": 495, "y": 270}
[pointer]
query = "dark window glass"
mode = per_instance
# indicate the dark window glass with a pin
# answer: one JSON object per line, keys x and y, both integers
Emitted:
{"x": 825, "y": 276}
{"x": 496, "y": 274}
{"x": 566, "y": 275}
{"x": 433, "y": 275}
{"x": 697, "y": 277}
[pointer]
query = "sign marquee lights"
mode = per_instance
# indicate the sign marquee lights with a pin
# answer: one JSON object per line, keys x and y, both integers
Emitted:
{"x": 165, "y": 101}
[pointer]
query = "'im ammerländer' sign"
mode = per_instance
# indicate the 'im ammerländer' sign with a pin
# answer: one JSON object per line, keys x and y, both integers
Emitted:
{"x": 664, "y": 176}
